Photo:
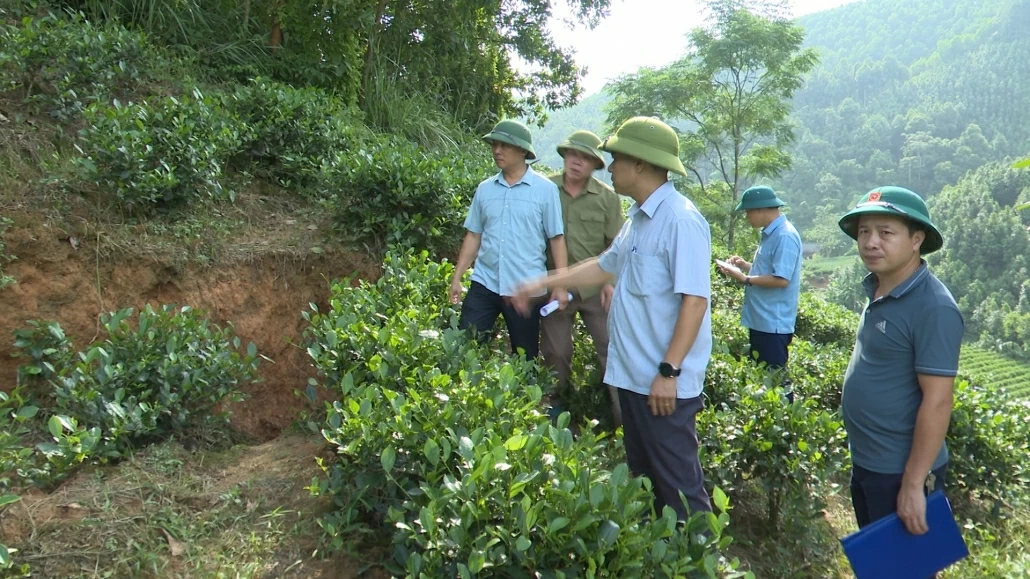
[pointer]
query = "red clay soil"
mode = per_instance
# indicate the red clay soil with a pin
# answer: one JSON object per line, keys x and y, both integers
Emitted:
{"x": 263, "y": 299}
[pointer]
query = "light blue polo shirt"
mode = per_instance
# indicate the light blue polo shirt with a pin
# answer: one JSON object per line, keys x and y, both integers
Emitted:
{"x": 661, "y": 254}
{"x": 770, "y": 309}
{"x": 516, "y": 222}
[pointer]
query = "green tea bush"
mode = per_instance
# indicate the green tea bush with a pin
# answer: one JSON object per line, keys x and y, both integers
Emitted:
{"x": 793, "y": 451}
{"x": 373, "y": 320}
{"x": 419, "y": 423}
{"x": 158, "y": 154}
{"x": 542, "y": 504}
{"x": 65, "y": 64}
{"x": 292, "y": 131}
{"x": 14, "y": 429}
{"x": 585, "y": 396}
{"x": 444, "y": 442}
{"x": 391, "y": 192}
{"x": 821, "y": 322}
{"x": 170, "y": 372}
{"x": 989, "y": 444}
{"x": 817, "y": 372}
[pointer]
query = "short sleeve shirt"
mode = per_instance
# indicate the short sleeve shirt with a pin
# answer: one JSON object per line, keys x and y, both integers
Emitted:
{"x": 516, "y": 222}
{"x": 774, "y": 310}
{"x": 915, "y": 329}
{"x": 661, "y": 255}
{"x": 591, "y": 222}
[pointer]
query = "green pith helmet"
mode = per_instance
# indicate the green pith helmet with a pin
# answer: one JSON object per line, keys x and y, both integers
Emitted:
{"x": 647, "y": 139}
{"x": 899, "y": 202}
{"x": 759, "y": 197}
{"x": 584, "y": 142}
{"x": 514, "y": 133}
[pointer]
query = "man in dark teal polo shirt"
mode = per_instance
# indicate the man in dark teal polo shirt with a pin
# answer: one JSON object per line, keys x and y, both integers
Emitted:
{"x": 898, "y": 388}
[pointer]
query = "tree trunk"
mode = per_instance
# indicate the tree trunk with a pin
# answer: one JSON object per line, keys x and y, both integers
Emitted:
{"x": 246, "y": 16}
{"x": 275, "y": 40}
{"x": 372, "y": 35}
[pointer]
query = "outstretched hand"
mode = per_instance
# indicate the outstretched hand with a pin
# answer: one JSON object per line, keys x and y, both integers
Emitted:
{"x": 524, "y": 296}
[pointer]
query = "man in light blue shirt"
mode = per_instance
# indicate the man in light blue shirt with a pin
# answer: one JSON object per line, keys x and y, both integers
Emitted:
{"x": 772, "y": 282}
{"x": 514, "y": 215}
{"x": 660, "y": 321}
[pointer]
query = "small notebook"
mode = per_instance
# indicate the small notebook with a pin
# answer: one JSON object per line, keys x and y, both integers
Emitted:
{"x": 886, "y": 550}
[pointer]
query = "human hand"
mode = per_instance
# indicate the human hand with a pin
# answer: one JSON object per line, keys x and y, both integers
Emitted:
{"x": 662, "y": 399}
{"x": 607, "y": 293}
{"x": 524, "y": 295}
{"x": 731, "y": 271}
{"x": 740, "y": 262}
{"x": 561, "y": 295}
{"x": 456, "y": 290}
{"x": 912, "y": 509}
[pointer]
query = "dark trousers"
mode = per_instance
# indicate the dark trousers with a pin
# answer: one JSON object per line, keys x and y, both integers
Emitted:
{"x": 773, "y": 350}
{"x": 479, "y": 312}
{"x": 664, "y": 449}
{"x": 874, "y": 495}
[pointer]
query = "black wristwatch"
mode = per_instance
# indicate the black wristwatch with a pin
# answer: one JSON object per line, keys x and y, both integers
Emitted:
{"x": 667, "y": 370}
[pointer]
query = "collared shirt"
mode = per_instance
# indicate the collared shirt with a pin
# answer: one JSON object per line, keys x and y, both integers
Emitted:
{"x": 661, "y": 254}
{"x": 592, "y": 220}
{"x": 774, "y": 309}
{"x": 516, "y": 222}
{"x": 915, "y": 329}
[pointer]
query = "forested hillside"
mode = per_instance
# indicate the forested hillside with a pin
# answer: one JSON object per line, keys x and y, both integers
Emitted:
{"x": 915, "y": 93}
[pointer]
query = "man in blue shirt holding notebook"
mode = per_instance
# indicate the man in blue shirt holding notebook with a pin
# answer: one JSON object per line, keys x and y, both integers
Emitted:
{"x": 898, "y": 388}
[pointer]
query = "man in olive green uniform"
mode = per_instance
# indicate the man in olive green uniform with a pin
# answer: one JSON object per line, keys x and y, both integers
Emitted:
{"x": 592, "y": 216}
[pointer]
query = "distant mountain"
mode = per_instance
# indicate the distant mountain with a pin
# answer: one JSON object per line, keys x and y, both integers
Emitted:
{"x": 587, "y": 114}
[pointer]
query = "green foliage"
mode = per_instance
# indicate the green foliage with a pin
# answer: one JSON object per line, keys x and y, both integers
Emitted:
{"x": 172, "y": 371}
{"x": 986, "y": 367}
{"x": 845, "y": 287}
{"x": 14, "y": 428}
{"x": 987, "y": 254}
{"x": 5, "y": 280}
{"x": 443, "y": 441}
{"x": 989, "y": 442}
{"x": 291, "y": 131}
{"x": 393, "y": 193}
{"x": 825, "y": 323}
{"x": 794, "y": 451}
{"x": 373, "y": 320}
{"x": 159, "y": 154}
{"x": 64, "y": 65}
{"x": 918, "y": 98}
{"x": 732, "y": 95}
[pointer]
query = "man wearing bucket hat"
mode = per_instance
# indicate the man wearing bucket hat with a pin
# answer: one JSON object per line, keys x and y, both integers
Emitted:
{"x": 514, "y": 217}
{"x": 659, "y": 321}
{"x": 772, "y": 282}
{"x": 897, "y": 394}
{"x": 592, "y": 217}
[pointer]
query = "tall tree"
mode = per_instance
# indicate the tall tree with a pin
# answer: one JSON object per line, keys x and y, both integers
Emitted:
{"x": 459, "y": 54}
{"x": 729, "y": 97}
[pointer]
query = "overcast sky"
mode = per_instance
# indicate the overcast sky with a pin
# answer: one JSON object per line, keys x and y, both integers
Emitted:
{"x": 642, "y": 33}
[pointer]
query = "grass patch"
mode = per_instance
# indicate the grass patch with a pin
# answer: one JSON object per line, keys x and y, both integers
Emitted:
{"x": 825, "y": 266}
{"x": 170, "y": 512}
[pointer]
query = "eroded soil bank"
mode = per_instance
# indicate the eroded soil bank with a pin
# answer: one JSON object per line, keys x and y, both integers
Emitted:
{"x": 68, "y": 280}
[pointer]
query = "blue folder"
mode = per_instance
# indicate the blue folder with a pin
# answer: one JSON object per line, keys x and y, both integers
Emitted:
{"x": 886, "y": 550}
